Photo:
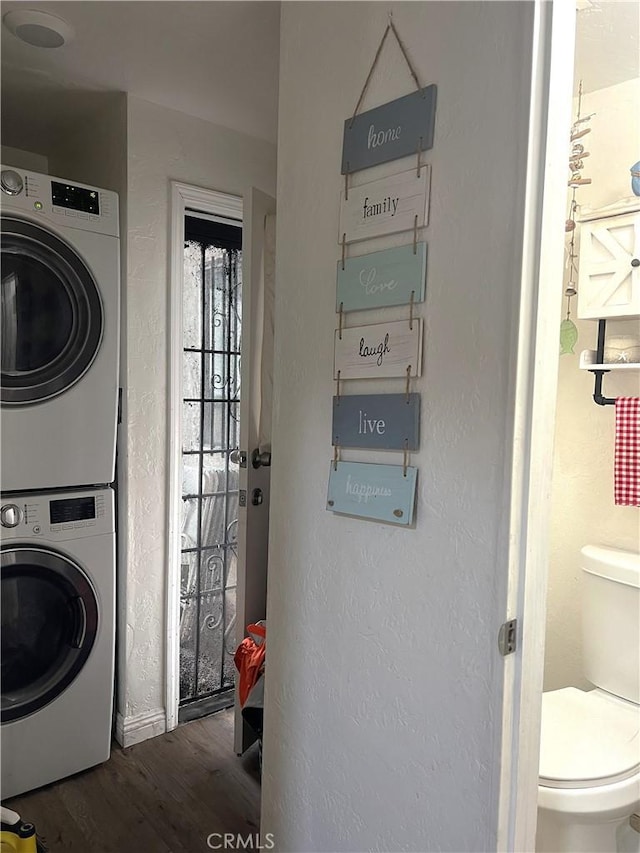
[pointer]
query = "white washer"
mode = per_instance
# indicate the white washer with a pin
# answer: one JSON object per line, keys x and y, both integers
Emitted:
{"x": 58, "y": 635}
{"x": 60, "y": 306}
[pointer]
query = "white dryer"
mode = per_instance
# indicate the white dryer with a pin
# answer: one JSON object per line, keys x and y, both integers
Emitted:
{"x": 59, "y": 306}
{"x": 57, "y": 557}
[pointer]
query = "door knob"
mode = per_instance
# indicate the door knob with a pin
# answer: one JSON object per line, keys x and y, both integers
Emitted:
{"x": 261, "y": 459}
{"x": 238, "y": 457}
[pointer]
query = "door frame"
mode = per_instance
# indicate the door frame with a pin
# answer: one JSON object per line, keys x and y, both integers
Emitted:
{"x": 534, "y": 413}
{"x": 253, "y": 520}
{"x": 184, "y": 197}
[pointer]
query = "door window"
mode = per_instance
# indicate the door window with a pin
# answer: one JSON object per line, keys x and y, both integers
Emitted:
{"x": 212, "y": 325}
{"x": 49, "y": 624}
{"x": 51, "y": 314}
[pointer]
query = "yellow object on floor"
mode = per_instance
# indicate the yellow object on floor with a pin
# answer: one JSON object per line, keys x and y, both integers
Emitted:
{"x": 17, "y": 836}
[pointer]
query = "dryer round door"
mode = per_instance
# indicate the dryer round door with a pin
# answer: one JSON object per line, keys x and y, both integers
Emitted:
{"x": 49, "y": 625}
{"x": 51, "y": 314}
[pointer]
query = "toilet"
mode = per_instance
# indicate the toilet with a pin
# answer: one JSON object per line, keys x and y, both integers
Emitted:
{"x": 589, "y": 783}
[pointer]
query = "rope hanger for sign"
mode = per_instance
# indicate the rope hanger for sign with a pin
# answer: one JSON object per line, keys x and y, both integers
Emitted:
{"x": 391, "y": 27}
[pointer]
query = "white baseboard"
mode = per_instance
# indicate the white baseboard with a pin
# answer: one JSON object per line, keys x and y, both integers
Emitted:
{"x": 135, "y": 729}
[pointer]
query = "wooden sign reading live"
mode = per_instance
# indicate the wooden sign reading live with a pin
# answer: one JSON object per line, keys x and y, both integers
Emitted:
{"x": 386, "y": 206}
{"x": 378, "y": 492}
{"x": 377, "y": 421}
{"x": 396, "y": 129}
{"x": 379, "y": 351}
{"x": 380, "y": 279}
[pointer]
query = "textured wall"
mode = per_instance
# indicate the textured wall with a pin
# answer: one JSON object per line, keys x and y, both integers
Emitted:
{"x": 163, "y": 145}
{"x": 24, "y": 159}
{"x": 384, "y": 679}
{"x": 583, "y": 511}
{"x": 92, "y": 148}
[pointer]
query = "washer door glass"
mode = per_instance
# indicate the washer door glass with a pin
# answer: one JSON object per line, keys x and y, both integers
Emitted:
{"x": 49, "y": 625}
{"x": 51, "y": 314}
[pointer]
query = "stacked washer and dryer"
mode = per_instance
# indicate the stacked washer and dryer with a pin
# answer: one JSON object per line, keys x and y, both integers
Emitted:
{"x": 59, "y": 402}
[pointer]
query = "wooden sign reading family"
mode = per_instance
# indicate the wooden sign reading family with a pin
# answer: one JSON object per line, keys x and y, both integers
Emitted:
{"x": 380, "y": 279}
{"x": 386, "y": 206}
{"x": 379, "y": 492}
{"x": 377, "y": 421}
{"x": 379, "y": 351}
{"x": 394, "y": 130}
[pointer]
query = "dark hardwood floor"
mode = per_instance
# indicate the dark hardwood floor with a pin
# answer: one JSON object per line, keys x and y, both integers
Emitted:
{"x": 165, "y": 795}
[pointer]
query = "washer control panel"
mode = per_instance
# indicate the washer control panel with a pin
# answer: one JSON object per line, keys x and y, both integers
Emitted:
{"x": 67, "y": 203}
{"x": 57, "y": 516}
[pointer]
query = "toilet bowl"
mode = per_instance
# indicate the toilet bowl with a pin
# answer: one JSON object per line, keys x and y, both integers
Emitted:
{"x": 589, "y": 782}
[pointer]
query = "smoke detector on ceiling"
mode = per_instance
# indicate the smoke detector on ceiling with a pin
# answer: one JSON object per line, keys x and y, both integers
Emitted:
{"x": 39, "y": 29}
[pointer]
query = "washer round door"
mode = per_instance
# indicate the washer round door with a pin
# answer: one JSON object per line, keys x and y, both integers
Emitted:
{"x": 51, "y": 314}
{"x": 49, "y": 625}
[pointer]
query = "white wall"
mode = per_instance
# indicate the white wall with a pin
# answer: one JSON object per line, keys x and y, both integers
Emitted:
{"x": 163, "y": 145}
{"x": 384, "y": 678}
{"x": 92, "y": 149}
{"x": 28, "y": 160}
{"x": 583, "y": 511}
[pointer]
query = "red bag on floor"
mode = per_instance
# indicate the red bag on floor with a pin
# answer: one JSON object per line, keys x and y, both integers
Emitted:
{"x": 249, "y": 660}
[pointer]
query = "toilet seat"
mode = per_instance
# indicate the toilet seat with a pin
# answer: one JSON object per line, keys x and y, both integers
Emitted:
{"x": 587, "y": 739}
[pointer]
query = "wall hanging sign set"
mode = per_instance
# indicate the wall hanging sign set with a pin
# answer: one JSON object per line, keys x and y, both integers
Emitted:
{"x": 395, "y": 204}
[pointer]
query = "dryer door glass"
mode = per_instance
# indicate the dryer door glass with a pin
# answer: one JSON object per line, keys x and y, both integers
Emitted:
{"x": 51, "y": 314}
{"x": 49, "y": 625}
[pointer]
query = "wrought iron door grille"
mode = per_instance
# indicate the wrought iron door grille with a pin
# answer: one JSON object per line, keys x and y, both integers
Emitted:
{"x": 212, "y": 326}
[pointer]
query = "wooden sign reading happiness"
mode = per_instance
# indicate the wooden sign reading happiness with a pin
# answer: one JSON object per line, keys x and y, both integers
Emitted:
{"x": 380, "y": 492}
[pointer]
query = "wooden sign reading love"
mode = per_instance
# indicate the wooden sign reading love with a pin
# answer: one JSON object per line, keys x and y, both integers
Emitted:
{"x": 381, "y": 279}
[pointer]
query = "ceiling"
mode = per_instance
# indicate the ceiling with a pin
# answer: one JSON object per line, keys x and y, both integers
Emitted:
{"x": 214, "y": 60}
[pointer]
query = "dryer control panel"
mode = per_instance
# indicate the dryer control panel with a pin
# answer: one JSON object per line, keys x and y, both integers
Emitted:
{"x": 68, "y": 203}
{"x": 57, "y": 516}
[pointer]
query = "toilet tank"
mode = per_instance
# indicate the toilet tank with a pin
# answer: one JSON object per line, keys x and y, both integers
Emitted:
{"x": 611, "y": 620}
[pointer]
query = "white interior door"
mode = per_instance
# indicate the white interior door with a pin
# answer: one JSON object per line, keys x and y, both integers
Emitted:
{"x": 255, "y": 417}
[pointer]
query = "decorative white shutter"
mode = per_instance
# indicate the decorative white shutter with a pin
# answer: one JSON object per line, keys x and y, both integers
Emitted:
{"x": 609, "y": 270}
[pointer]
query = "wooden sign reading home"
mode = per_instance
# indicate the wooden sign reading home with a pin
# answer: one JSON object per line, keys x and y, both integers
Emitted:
{"x": 377, "y": 421}
{"x": 393, "y": 130}
{"x": 379, "y": 351}
{"x": 379, "y": 492}
{"x": 385, "y": 206}
{"x": 380, "y": 279}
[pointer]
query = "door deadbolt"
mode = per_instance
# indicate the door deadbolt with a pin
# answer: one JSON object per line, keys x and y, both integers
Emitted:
{"x": 257, "y": 497}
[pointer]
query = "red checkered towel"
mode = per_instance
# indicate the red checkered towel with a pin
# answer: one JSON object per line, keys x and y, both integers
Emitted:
{"x": 627, "y": 452}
